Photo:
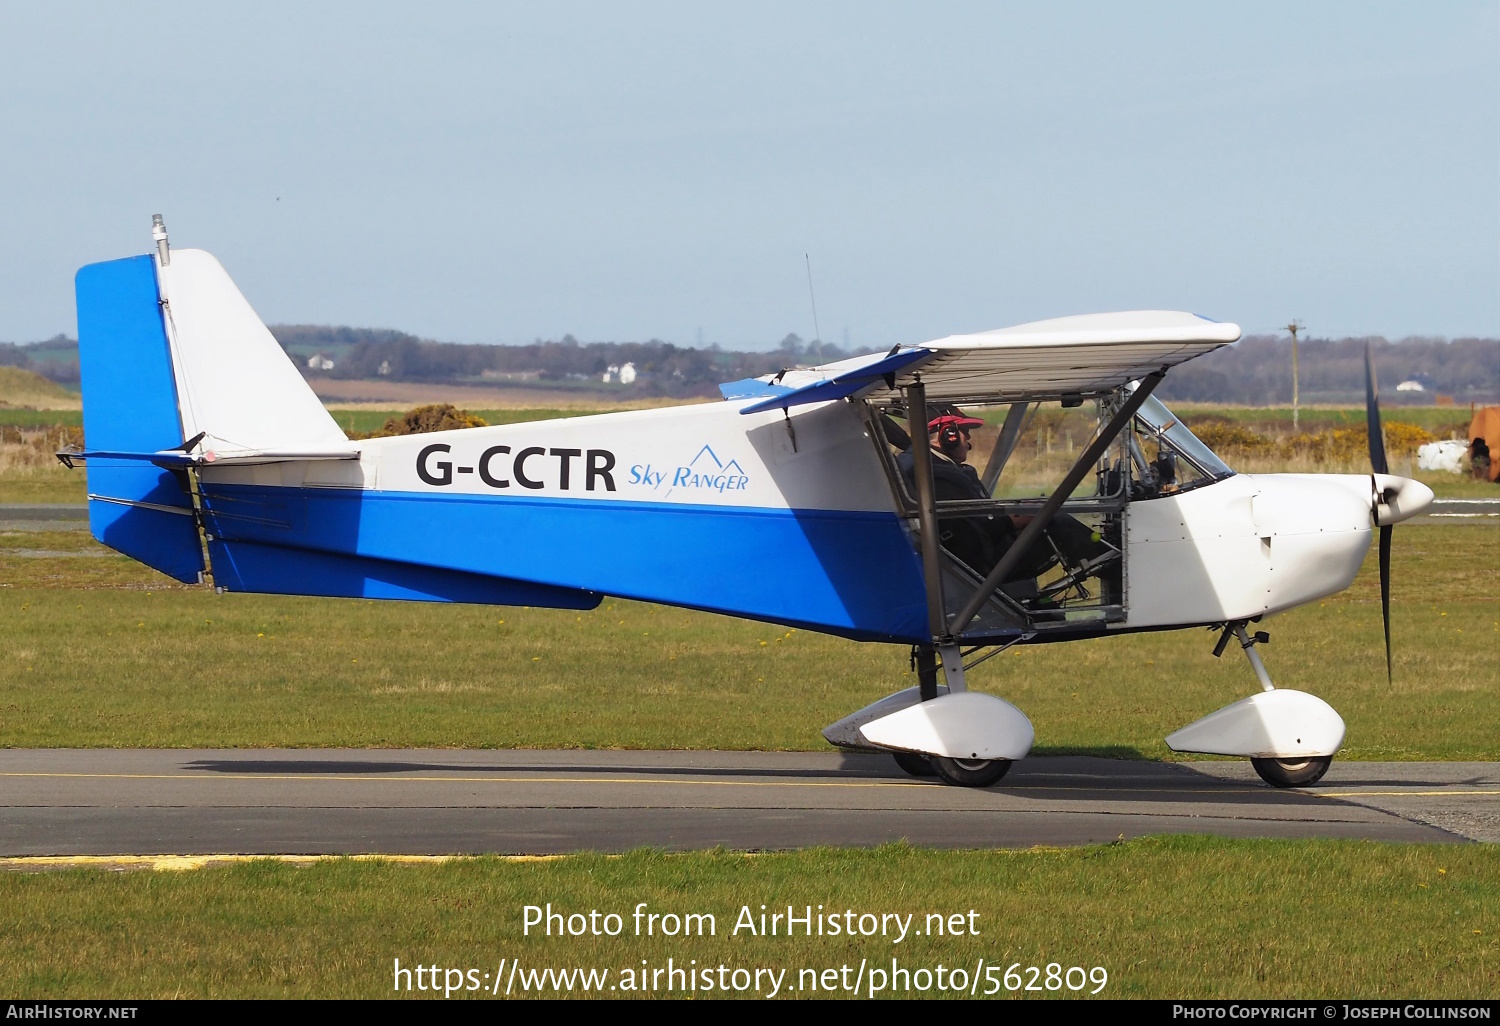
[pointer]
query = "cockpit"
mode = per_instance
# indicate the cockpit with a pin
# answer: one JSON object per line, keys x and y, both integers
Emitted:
{"x": 994, "y": 466}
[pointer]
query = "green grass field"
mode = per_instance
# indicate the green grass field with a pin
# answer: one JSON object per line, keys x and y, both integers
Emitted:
{"x": 1178, "y": 917}
{"x": 100, "y": 651}
{"x": 104, "y": 652}
{"x": 27, "y": 478}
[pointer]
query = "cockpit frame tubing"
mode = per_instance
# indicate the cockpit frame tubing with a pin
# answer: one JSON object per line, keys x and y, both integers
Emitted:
{"x": 937, "y": 619}
{"x": 1054, "y": 502}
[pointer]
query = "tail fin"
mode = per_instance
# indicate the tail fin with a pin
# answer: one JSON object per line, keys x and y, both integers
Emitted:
{"x": 130, "y": 405}
{"x": 172, "y": 357}
{"x": 234, "y": 382}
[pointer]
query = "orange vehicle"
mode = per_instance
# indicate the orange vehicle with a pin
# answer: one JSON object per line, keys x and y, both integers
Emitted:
{"x": 1486, "y": 425}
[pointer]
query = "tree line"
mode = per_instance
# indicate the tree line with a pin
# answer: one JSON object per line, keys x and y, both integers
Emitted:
{"x": 1256, "y": 371}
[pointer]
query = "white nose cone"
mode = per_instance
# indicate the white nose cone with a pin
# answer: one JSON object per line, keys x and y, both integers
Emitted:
{"x": 1400, "y": 498}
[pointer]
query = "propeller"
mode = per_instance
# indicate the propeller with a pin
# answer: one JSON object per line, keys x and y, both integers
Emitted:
{"x": 1377, "y": 498}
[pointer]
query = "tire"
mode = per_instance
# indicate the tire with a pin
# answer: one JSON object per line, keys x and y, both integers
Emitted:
{"x": 970, "y": 772}
{"x": 1292, "y": 772}
{"x": 914, "y": 763}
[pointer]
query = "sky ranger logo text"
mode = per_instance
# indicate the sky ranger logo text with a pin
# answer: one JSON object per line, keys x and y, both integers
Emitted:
{"x": 704, "y": 472}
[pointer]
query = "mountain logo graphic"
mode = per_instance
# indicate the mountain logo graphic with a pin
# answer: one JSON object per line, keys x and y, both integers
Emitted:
{"x": 733, "y": 466}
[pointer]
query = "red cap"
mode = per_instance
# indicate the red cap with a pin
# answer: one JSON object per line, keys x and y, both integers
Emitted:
{"x": 953, "y": 420}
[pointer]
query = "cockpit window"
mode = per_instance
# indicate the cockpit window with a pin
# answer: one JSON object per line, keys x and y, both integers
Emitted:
{"x": 1178, "y": 459}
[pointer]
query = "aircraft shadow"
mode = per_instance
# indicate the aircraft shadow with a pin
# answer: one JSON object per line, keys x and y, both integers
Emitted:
{"x": 1080, "y": 778}
{"x": 876, "y": 767}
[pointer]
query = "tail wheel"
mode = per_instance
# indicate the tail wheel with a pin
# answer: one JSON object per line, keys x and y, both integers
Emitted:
{"x": 1292, "y": 772}
{"x": 970, "y": 772}
{"x": 915, "y": 764}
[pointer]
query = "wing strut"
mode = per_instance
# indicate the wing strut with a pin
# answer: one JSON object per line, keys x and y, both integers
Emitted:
{"x": 921, "y": 453}
{"x": 1054, "y": 502}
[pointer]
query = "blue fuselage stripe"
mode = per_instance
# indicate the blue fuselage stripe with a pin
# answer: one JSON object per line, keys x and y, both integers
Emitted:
{"x": 848, "y": 572}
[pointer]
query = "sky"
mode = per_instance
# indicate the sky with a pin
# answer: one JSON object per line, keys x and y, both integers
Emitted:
{"x": 494, "y": 172}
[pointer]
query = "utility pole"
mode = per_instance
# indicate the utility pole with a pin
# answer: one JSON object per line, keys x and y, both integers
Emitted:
{"x": 1294, "y": 327}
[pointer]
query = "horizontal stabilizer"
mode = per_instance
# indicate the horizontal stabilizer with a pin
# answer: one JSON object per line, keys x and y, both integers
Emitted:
{"x": 752, "y": 388}
{"x": 176, "y": 458}
{"x": 847, "y": 383}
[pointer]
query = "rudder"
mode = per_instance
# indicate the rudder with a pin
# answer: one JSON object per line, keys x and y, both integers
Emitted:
{"x": 130, "y": 405}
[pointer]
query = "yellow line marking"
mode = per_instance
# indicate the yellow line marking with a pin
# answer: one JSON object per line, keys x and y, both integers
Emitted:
{"x": 1395, "y": 794}
{"x": 337, "y": 777}
{"x": 170, "y": 863}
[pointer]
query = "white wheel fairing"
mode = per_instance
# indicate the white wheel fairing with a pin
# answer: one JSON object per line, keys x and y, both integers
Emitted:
{"x": 961, "y": 725}
{"x": 1280, "y": 724}
{"x": 846, "y": 732}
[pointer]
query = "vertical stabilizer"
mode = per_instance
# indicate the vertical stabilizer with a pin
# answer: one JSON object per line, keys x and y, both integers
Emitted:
{"x": 130, "y": 405}
{"x": 234, "y": 383}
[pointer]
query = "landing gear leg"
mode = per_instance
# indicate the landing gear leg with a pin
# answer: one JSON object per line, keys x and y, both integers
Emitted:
{"x": 924, "y": 658}
{"x": 1300, "y": 772}
{"x": 1290, "y": 737}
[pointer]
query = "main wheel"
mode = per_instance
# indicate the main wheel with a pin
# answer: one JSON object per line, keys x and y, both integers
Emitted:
{"x": 1292, "y": 772}
{"x": 914, "y": 763}
{"x": 970, "y": 772}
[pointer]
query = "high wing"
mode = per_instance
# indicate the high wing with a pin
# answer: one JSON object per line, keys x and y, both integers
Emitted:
{"x": 1068, "y": 356}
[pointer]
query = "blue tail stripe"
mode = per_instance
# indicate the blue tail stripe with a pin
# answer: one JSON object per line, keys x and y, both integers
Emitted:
{"x": 247, "y": 566}
{"x": 130, "y": 405}
{"x": 849, "y": 573}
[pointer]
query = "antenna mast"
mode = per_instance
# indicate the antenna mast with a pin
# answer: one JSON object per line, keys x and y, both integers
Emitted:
{"x": 817, "y": 332}
{"x": 1294, "y": 327}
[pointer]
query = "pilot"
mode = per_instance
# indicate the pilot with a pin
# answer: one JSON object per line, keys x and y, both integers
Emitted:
{"x": 980, "y": 540}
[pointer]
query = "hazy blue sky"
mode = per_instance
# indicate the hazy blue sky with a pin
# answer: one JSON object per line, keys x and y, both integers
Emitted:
{"x": 496, "y": 172}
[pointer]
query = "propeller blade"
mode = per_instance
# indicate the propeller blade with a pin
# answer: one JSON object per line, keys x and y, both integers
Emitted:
{"x": 1385, "y": 593}
{"x": 1372, "y": 418}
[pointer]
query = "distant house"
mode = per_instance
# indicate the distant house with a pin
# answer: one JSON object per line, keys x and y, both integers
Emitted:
{"x": 1410, "y": 385}
{"x": 385, "y": 368}
{"x": 319, "y": 362}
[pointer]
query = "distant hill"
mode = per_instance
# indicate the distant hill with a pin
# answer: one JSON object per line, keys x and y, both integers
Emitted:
{"x": 25, "y": 389}
{"x": 1256, "y": 371}
{"x": 56, "y": 358}
{"x": 657, "y": 368}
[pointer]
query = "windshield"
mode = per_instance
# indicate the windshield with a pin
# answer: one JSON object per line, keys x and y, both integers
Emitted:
{"x": 1160, "y": 425}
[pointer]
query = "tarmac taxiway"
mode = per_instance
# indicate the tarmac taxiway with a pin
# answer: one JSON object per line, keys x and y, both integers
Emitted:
{"x": 62, "y": 802}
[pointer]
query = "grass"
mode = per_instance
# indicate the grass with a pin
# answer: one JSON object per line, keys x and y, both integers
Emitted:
{"x": 103, "y": 652}
{"x": 24, "y": 388}
{"x": 24, "y": 478}
{"x": 1440, "y": 420}
{"x": 365, "y": 421}
{"x": 1178, "y": 917}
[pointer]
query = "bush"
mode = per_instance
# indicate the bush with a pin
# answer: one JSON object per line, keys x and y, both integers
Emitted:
{"x": 1222, "y": 436}
{"x": 436, "y": 417}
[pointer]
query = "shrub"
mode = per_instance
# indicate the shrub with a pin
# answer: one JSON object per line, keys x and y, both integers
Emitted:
{"x": 435, "y": 417}
{"x": 1222, "y": 436}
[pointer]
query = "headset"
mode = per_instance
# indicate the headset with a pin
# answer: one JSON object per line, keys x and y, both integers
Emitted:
{"x": 949, "y": 436}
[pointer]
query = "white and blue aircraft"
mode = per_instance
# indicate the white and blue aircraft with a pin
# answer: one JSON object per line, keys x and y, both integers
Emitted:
{"x": 798, "y": 500}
